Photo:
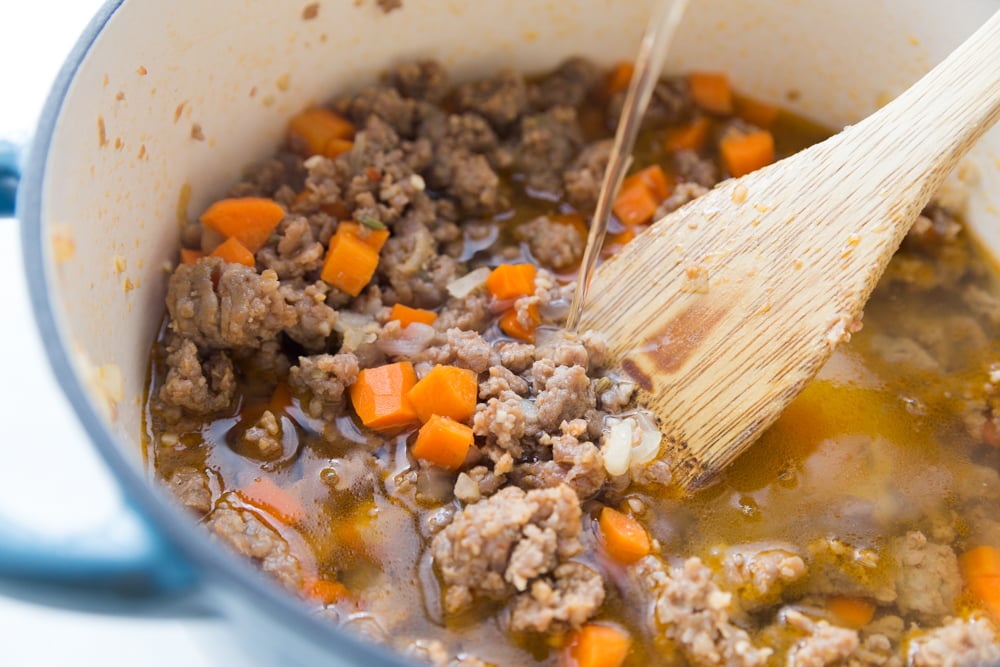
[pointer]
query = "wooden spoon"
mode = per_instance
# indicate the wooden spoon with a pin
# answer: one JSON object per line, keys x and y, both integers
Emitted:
{"x": 723, "y": 310}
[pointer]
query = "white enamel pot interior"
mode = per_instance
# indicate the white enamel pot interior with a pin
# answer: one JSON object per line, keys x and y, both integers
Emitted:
{"x": 117, "y": 168}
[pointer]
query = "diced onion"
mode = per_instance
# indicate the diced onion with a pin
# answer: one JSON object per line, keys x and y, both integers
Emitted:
{"x": 471, "y": 244}
{"x": 356, "y": 328}
{"x": 409, "y": 341}
{"x": 555, "y": 310}
{"x": 650, "y": 438}
{"x": 617, "y": 446}
{"x": 462, "y": 287}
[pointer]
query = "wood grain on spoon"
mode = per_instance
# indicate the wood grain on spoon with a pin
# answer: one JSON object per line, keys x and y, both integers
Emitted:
{"x": 723, "y": 310}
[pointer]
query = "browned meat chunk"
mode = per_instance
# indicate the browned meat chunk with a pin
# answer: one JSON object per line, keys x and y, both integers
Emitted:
{"x": 220, "y": 305}
{"x": 324, "y": 378}
{"x": 928, "y": 581}
{"x": 582, "y": 180}
{"x": 758, "y": 572}
{"x": 575, "y": 461}
{"x": 190, "y": 486}
{"x": 314, "y": 319}
{"x": 195, "y": 386}
{"x": 500, "y": 99}
{"x": 568, "y": 598}
{"x": 960, "y": 643}
{"x": 692, "y": 611}
{"x": 823, "y": 645}
{"x": 555, "y": 244}
{"x": 548, "y": 143}
{"x": 499, "y": 545}
{"x": 251, "y": 537}
{"x": 568, "y": 85}
{"x": 421, "y": 79}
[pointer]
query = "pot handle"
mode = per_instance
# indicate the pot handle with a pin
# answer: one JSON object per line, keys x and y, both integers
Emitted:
{"x": 10, "y": 174}
{"x": 121, "y": 567}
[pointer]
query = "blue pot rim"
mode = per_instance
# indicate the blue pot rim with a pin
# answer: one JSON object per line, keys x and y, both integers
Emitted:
{"x": 170, "y": 521}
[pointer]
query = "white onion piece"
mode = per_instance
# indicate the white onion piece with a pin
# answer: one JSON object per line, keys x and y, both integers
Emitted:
{"x": 356, "y": 329}
{"x": 408, "y": 341}
{"x": 616, "y": 447}
{"x": 648, "y": 447}
{"x": 462, "y": 287}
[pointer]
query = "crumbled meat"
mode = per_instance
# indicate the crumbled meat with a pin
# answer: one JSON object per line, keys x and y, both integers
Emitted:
{"x": 695, "y": 169}
{"x": 518, "y": 357}
{"x": 324, "y": 378}
{"x": 499, "y": 545}
{"x": 555, "y": 244}
{"x": 549, "y": 142}
{"x": 295, "y": 251}
{"x": 382, "y": 101}
{"x": 502, "y": 380}
{"x": 671, "y": 103}
{"x": 265, "y": 435}
{"x": 681, "y": 194}
{"x": 582, "y": 180}
{"x": 692, "y": 611}
{"x": 877, "y": 650}
{"x": 567, "y": 598}
{"x": 503, "y": 421}
{"x": 190, "y": 486}
{"x": 837, "y": 567}
{"x": 928, "y": 581}
{"x": 314, "y": 318}
{"x": 416, "y": 273}
{"x": 568, "y": 85}
{"x": 195, "y": 386}
{"x": 823, "y": 645}
{"x": 421, "y": 79}
{"x": 220, "y": 305}
{"x": 960, "y": 643}
{"x": 265, "y": 178}
{"x": 758, "y": 572}
{"x": 501, "y": 99}
{"x": 566, "y": 348}
{"x": 562, "y": 393}
{"x": 250, "y": 536}
{"x": 575, "y": 462}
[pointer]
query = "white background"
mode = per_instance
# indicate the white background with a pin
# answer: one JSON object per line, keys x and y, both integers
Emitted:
{"x": 50, "y": 477}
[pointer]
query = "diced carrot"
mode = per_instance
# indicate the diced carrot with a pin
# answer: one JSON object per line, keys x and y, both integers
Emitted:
{"x": 511, "y": 324}
{"x": 854, "y": 612}
{"x": 234, "y": 252}
{"x": 754, "y": 111}
{"x": 268, "y": 496}
{"x": 691, "y": 137}
{"x": 379, "y": 396}
{"x": 711, "y": 92}
{"x": 189, "y": 256}
{"x": 407, "y": 316}
{"x": 510, "y": 281}
{"x": 981, "y": 570}
{"x": 444, "y": 442}
{"x": 375, "y": 238}
{"x": 350, "y": 263}
{"x": 619, "y": 78}
{"x": 250, "y": 220}
{"x": 743, "y": 153}
{"x": 653, "y": 178}
{"x": 597, "y": 645}
{"x": 316, "y": 127}
{"x": 624, "y": 538}
{"x": 323, "y": 590}
{"x": 336, "y": 146}
{"x": 448, "y": 391}
{"x": 635, "y": 204}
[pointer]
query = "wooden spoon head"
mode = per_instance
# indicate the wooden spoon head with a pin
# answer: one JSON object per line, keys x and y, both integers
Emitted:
{"x": 722, "y": 311}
